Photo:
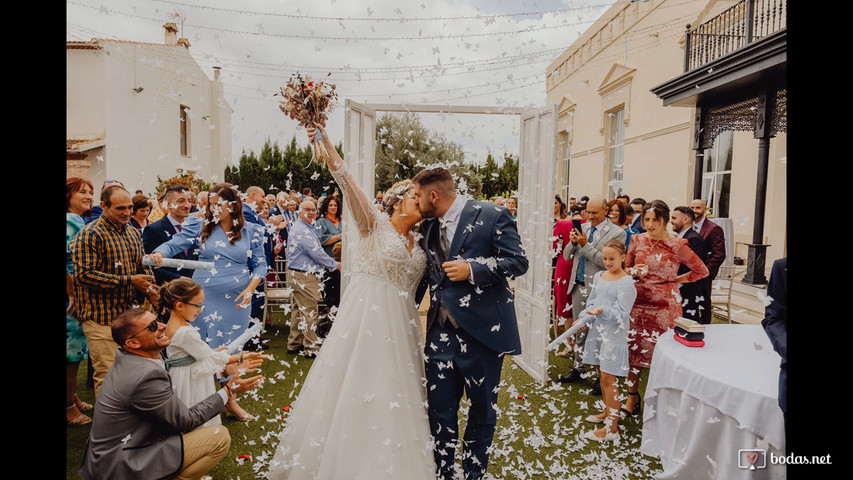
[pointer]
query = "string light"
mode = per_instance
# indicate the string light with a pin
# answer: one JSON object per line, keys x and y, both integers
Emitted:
{"x": 379, "y": 19}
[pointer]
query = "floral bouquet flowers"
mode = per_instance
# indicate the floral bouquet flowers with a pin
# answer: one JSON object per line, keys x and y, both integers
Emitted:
{"x": 307, "y": 102}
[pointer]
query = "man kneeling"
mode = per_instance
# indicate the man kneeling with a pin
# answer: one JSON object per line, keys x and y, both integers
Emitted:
{"x": 141, "y": 429}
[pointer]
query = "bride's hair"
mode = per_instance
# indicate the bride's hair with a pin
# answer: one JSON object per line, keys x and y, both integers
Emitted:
{"x": 394, "y": 195}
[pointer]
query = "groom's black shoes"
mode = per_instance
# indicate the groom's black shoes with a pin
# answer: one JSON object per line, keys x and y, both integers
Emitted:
{"x": 571, "y": 377}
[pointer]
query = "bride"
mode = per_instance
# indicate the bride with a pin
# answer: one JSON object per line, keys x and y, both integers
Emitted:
{"x": 361, "y": 413}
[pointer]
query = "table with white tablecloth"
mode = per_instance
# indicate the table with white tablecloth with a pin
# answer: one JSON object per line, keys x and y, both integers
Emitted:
{"x": 703, "y": 404}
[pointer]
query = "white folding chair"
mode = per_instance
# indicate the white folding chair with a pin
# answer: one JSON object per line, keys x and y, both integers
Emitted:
{"x": 276, "y": 291}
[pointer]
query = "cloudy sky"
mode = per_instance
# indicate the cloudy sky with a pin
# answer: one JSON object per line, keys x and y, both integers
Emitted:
{"x": 460, "y": 52}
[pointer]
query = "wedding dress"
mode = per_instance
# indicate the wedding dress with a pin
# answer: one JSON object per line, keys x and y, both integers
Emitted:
{"x": 361, "y": 413}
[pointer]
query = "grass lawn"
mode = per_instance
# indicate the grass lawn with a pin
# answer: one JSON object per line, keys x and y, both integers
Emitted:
{"x": 538, "y": 436}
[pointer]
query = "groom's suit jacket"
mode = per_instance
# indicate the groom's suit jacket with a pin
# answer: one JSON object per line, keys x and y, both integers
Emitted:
{"x": 487, "y": 238}
{"x": 138, "y": 422}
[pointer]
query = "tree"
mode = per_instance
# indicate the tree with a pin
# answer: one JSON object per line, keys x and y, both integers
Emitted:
{"x": 499, "y": 181}
{"x": 186, "y": 179}
{"x": 275, "y": 170}
{"x": 404, "y": 147}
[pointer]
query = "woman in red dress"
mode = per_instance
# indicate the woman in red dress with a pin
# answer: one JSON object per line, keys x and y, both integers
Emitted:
{"x": 653, "y": 260}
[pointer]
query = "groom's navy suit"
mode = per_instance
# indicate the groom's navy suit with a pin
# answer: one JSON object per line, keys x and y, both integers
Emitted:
{"x": 467, "y": 357}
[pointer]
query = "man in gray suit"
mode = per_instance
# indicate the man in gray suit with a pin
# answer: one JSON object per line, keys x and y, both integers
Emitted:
{"x": 585, "y": 250}
{"x": 141, "y": 429}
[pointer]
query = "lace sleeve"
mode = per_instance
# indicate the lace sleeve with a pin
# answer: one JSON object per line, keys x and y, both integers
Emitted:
{"x": 362, "y": 210}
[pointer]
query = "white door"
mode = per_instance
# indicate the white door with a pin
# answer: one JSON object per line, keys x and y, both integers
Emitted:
{"x": 537, "y": 174}
{"x": 359, "y": 153}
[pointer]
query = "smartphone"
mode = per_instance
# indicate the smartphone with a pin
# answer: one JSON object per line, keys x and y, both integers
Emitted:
{"x": 577, "y": 224}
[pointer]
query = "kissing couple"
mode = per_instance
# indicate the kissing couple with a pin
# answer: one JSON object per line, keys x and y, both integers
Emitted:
{"x": 378, "y": 402}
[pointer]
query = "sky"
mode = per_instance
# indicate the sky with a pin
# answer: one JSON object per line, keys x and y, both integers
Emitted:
{"x": 438, "y": 52}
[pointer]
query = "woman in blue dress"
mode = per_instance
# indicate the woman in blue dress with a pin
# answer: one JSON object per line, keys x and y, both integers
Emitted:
{"x": 78, "y": 201}
{"x": 236, "y": 249}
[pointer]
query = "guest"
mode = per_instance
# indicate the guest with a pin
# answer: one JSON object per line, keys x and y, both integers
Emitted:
{"x": 201, "y": 204}
{"x": 560, "y": 209}
{"x": 328, "y": 226}
{"x": 512, "y": 206}
{"x": 236, "y": 249}
{"x": 96, "y": 211}
{"x": 617, "y": 216}
{"x": 606, "y": 347}
{"x": 191, "y": 363}
{"x": 193, "y": 202}
{"x": 255, "y": 200}
{"x": 577, "y": 212}
{"x": 775, "y": 324}
{"x": 139, "y": 218}
{"x": 78, "y": 201}
{"x": 695, "y": 296}
{"x": 306, "y": 260}
{"x": 108, "y": 276}
{"x": 715, "y": 238}
{"x": 637, "y": 205}
{"x": 177, "y": 199}
{"x": 270, "y": 200}
{"x": 655, "y": 257}
{"x": 306, "y": 192}
{"x": 562, "y": 272}
{"x": 585, "y": 248}
{"x": 380, "y": 199}
{"x": 141, "y": 428}
{"x": 159, "y": 210}
{"x": 572, "y": 202}
{"x": 625, "y": 199}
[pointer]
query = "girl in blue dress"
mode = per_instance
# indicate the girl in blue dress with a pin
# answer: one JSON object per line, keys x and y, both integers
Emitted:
{"x": 236, "y": 249}
{"x": 610, "y": 303}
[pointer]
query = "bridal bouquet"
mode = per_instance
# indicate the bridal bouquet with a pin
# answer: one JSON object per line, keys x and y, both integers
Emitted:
{"x": 307, "y": 101}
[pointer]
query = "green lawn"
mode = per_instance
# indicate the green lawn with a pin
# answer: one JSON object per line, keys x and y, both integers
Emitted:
{"x": 537, "y": 436}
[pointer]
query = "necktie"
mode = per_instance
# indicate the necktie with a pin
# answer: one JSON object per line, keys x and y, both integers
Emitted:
{"x": 696, "y": 227}
{"x": 179, "y": 228}
{"x": 444, "y": 246}
{"x": 582, "y": 265}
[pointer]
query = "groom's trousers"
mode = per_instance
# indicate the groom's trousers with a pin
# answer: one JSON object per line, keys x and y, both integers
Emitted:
{"x": 457, "y": 363}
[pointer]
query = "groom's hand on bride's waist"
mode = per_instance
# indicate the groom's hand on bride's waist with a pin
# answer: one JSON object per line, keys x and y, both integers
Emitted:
{"x": 457, "y": 270}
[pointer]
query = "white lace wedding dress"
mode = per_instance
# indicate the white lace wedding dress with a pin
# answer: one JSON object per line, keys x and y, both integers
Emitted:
{"x": 361, "y": 413}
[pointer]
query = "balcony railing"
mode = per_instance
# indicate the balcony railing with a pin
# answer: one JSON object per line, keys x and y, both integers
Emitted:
{"x": 741, "y": 24}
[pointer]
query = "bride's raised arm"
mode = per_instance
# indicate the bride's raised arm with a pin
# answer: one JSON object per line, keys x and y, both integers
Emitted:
{"x": 362, "y": 209}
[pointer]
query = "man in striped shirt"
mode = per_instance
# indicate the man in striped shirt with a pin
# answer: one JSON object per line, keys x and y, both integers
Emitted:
{"x": 108, "y": 275}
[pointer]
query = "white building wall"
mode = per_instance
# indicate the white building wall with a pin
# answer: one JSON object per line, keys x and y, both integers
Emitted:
{"x": 142, "y": 130}
{"x": 659, "y": 160}
{"x": 85, "y": 104}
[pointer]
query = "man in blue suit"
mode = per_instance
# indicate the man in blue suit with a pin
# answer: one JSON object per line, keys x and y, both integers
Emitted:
{"x": 472, "y": 248}
{"x": 161, "y": 231}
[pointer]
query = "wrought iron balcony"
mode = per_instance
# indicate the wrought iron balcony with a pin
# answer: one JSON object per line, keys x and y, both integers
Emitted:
{"x": 736, "y": 27}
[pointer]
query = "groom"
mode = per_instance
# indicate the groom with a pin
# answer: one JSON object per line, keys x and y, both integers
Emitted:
{"x": 472, "y": 247}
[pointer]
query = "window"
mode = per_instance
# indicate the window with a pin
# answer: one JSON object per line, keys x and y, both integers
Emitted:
{"x": 563, "y": 165}
{"x": 185, "y": 121}
{"x": 616, "y": 152}
{"x": 717, "y": 174}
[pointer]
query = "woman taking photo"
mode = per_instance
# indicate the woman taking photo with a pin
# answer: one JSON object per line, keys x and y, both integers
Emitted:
{"x": 237, "y": 251}
{"x": 328, "y": 226}
{"x": 78, "y": 201}
{"x": 653, "y": 260}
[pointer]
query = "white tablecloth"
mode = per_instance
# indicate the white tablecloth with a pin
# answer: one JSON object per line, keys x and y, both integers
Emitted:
{"x": 702, "y": 405}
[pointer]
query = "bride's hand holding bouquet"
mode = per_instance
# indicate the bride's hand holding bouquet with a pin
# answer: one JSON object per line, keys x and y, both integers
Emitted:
{"x": 307, "y": 102}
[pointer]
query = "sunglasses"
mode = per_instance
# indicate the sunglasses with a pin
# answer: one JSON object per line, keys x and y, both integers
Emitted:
{"x": 152, "y": 327}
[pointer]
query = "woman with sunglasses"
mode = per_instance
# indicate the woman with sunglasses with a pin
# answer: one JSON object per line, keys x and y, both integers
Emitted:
{"x": 192, "y": 364}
